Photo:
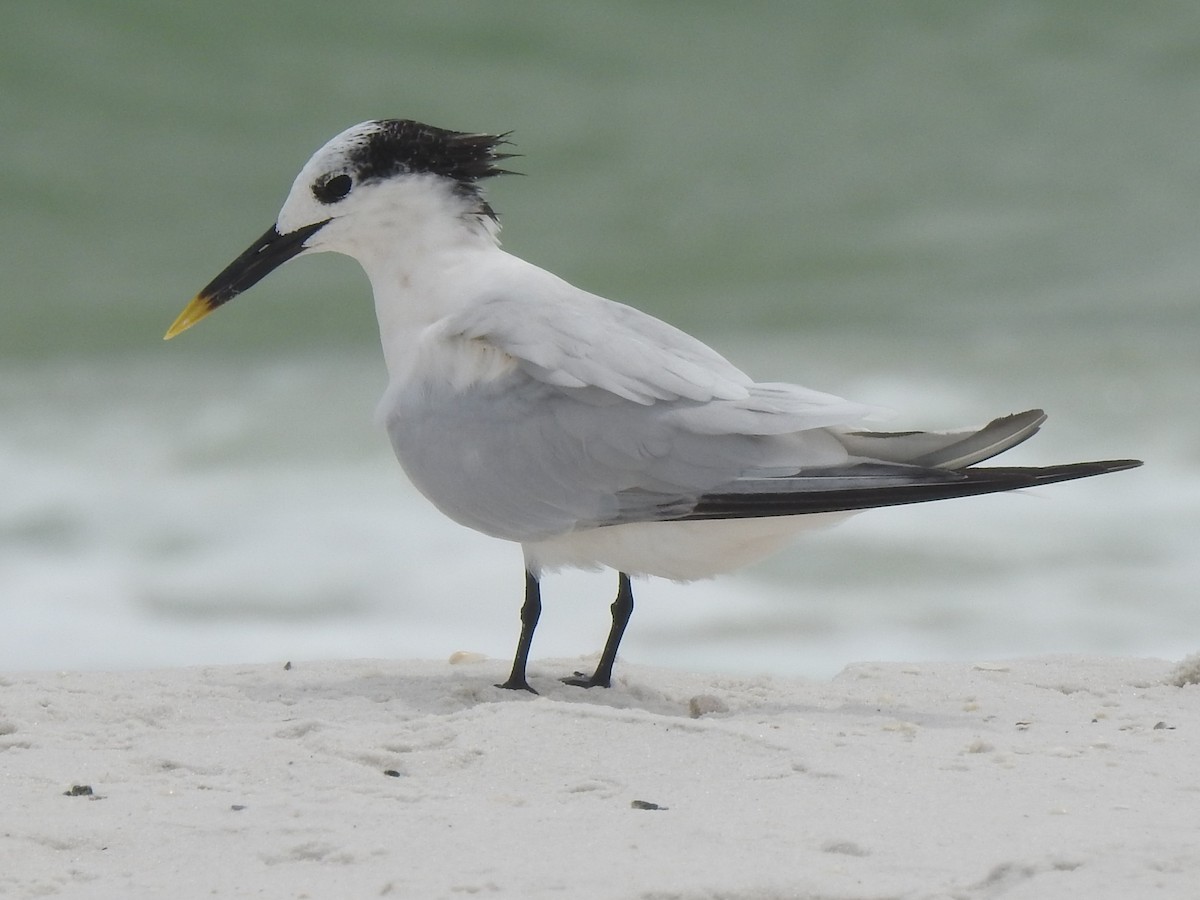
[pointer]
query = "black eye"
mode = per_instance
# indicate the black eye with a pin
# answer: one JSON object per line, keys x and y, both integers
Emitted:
{"x": 332, "y": 188}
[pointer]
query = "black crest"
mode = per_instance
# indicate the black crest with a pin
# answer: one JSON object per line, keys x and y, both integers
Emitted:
{"x": 401, "y": 145}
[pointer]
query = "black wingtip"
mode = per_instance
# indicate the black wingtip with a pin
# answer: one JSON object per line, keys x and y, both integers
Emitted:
{"x": 1120, "y": 465}
{"x": 1078, "y": 470}
{"x": 814, "y": 498}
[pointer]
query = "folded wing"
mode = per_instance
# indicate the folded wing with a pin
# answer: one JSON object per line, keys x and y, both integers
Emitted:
{"x": 627, "y": 419}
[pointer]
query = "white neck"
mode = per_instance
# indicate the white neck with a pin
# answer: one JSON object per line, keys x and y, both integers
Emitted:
{"x": 419, "y": 258}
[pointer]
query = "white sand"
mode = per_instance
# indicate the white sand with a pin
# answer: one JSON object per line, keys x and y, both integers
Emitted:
{"x": 1040, "y": 778}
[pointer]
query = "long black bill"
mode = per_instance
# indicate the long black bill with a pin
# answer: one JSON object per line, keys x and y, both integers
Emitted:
{"x": 261, "y": 258}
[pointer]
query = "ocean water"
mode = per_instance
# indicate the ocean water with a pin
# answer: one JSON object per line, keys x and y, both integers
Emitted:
{"x": 954, "y": 212}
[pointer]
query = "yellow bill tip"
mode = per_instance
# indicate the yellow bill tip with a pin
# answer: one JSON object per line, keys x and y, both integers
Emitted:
{"x": 196, "y": 310}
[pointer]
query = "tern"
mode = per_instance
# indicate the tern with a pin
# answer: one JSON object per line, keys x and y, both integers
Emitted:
{"x": 589, "y": 432}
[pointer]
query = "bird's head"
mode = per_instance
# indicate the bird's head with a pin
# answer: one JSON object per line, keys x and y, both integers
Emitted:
{"x": 361, "y": 187}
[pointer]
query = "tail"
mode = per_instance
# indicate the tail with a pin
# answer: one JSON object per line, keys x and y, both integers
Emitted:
{"x": 944, "y": 450}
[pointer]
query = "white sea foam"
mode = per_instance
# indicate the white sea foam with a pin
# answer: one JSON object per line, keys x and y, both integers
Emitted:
{"x": 161, "y": 514}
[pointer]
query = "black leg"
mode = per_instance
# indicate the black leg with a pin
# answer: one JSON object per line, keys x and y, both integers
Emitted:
{"x": 622, "y": 609}
{"x": 530, "y": 612}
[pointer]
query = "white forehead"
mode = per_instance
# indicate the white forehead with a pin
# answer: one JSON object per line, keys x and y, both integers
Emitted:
{"x": 336, "y": 154}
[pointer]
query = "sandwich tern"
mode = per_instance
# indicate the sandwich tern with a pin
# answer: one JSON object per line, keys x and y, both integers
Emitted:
{"x": 591, "y": 433}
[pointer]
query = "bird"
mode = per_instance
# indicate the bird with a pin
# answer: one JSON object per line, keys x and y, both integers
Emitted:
{"x": 591, "y": 433}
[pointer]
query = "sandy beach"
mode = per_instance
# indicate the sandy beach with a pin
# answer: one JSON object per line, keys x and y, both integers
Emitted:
{"x": 1033, "y": 778}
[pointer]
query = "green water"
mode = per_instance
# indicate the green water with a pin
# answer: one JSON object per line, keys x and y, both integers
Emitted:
{"x": 748, "y": 166}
